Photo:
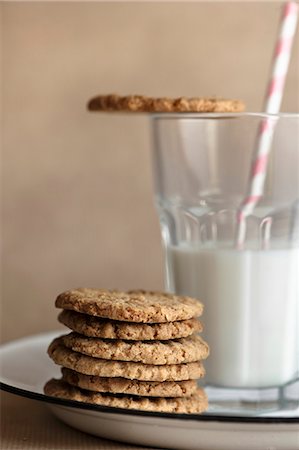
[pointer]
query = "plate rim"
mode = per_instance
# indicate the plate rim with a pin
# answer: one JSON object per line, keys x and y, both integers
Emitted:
{"x": 135, "y": 412}
{"x": 132, "y": 412}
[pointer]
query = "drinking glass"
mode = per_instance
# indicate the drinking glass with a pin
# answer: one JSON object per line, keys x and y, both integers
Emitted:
{"x": 201, "y": 166}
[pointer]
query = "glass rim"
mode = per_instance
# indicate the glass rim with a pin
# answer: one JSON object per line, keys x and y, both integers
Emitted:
{"x": 220, "y": 115}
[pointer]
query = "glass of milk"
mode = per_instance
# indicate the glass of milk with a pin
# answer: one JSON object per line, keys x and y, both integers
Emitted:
{"x": 201, "y": 165}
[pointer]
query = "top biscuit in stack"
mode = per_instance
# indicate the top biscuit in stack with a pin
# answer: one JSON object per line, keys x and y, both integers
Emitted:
{"x": 133, "y": 349}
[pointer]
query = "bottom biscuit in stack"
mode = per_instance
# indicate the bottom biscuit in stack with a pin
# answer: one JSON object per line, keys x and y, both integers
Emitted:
{"x": 152, "y": 375}
{"x": 195, "y": 404}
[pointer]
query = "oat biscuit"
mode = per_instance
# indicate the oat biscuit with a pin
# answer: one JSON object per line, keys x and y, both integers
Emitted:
{"x": 141, "y": 103}
{"x": 136, "y": 306}
{"x": 129, "y": 387}
{"x": 92, "y": 326}
{"x": 88, "y": 365}
{"x": 196, "y": 403}
{"x": 185, "y": 350}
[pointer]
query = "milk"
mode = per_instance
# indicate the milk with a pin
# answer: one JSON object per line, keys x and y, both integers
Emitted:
{"x": 251, "y": 315}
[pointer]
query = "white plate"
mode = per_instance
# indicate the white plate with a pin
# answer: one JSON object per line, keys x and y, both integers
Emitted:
{"x": 25, "y": 367}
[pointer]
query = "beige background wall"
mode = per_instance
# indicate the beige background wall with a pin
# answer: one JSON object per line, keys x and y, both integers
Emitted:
{"x": 77, "y": 204}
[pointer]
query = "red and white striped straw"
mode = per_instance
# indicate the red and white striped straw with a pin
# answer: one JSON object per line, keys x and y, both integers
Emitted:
{"x": 272, "y": 106}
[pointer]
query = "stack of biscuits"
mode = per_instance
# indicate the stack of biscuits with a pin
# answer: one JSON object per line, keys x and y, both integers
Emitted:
{"x": 137, "y": 350}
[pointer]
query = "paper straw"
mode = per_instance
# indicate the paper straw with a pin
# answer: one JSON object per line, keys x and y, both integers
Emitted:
{"x": 272, "y": 106}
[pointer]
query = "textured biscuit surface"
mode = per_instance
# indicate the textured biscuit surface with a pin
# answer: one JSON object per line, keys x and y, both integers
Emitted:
{"x": 185, "y": 350}
{"x": 133, "y": 306}
{"x": 141, "y": 103}
{"x": 196, "y": 403}
{"x": 92, "y": 326}
{"x": 130, "y": 387}
{"x": 88, "y": 365}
